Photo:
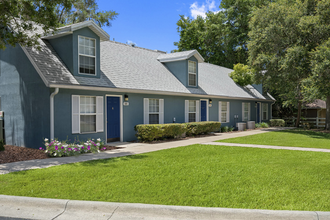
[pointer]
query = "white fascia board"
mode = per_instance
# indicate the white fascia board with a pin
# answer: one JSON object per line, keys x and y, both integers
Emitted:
{"x": 141, "y": 91}
{"x": 172, "y": 59}
{"x": 57, "y": 35}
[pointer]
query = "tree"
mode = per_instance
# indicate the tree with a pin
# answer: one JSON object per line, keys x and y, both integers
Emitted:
{"x": 18, "y": 18}
{"x": 221, "y": 37}
{"x": 282, "y": 37}
{"x": 242, "y": 75}
{"x": 83, "y": 10}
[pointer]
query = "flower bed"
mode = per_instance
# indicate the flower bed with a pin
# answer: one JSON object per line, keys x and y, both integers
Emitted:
{"x": 61, "y": 149}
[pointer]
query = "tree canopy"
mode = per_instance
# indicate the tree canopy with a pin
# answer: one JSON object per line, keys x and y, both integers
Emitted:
{"x": 242, "y": 74}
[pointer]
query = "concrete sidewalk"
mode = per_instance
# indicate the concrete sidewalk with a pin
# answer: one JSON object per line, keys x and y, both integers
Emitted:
{"x": 128, "y": 149}
{"x": 37, "y": 208}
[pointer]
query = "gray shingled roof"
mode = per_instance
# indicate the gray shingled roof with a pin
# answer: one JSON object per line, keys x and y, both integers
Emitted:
{"x": 127, "y": 67}
{"x": 180, "y": 56}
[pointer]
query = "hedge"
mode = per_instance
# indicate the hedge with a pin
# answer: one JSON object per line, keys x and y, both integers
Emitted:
{"x": 150, "y": 132}
{"x": 277, "y": 122}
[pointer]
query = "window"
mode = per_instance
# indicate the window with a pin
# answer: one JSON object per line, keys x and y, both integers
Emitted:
{"x": 87, "y": 114}
{"x": 245, "y": 111}
{"x": 192, "y": 73}
{"x": 224, "y": 112}
{"x": 264, "y": 111}
{"x": 153, "y": 111}
{"x": 192, "y": 111}
{"x": 87, "y": 55}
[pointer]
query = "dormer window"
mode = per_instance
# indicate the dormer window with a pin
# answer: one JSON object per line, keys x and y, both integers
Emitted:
{"x": 87, "y": 55}
{"x": 192, "y": 73}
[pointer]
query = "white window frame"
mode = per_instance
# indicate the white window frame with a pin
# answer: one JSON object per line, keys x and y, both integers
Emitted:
{"x": 192, "y": 73}
{"x": 227, "y": 112}
{"x": 197, "y": 115}
{"x": 264, "y": 110}
{"x": 99, "y": 126}
{"x": 249, "y": 111}
{"x": 146, "y": 110}
{"x": 79, "y": 54}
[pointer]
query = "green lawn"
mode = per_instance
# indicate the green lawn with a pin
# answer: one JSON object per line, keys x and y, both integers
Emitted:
{"x": 291, "y": 138}
{"x": 196, "y": 175}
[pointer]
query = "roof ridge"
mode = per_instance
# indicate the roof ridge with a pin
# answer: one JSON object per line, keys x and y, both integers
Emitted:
{"x": 142, "y": 48}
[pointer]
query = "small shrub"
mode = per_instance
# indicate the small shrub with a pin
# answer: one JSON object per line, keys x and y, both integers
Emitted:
{"x": 224, "y": 129}
{"x": 262, "y": 125}
{"x": 196, "y": 128}
{"x": 150, "y": 132}
{"x": 277, "y": 122}
{"x": 2, "y": 145}
{"x": 230, "y": 129}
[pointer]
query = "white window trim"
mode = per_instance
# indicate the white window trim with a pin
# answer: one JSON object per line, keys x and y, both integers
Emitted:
{"x": 121, "y": 118}
{"x": 87, "y": 56}
{"x": 263, "y": 110}
{"x": 249, "y": 111}
{"x": 197, "y": 114}
{"x": 99, "y": 113}
{"x": 227, "y": 112}
{"x": 192, "y": 73}
{"x": 146, "y": 110}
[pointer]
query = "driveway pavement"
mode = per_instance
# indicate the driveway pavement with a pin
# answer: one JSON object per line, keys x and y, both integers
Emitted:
{"x": 17, "y": 208}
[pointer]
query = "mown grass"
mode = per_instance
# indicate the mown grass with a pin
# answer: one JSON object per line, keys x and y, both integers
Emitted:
{"x": 196, "y": 175}
{"x": 289, "y": 138}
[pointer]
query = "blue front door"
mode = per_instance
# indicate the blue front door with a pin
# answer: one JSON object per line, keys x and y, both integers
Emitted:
{"x": 113, "y": 119}
{"x": 203, "y": 111}
{"x": 258, "y": 112}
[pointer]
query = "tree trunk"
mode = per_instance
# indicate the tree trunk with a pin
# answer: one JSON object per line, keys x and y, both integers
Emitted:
{"x": 327, "y": 120}
{"x": 299, "y": 114}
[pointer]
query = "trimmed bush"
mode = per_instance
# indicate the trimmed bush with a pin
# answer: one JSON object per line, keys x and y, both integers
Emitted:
{"x": 277, "y": 122}
{"x": 2, "y": 145}
{"x": 196, "y": 128}
{"x": 150, "y": 132}
{"x": 224, "y": 129}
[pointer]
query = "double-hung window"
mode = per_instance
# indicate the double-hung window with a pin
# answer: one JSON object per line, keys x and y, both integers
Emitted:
{"x": 192, "y": 111}
{"x": 87, "y": 55}
{"x": 264, "y": 111}
{"x": 245, "y": 111}
{"x": 224, "y": 112}
{"x": 192, "y": 73}
{"x": 153, "y": 111}
{"x": 87, "y": 114}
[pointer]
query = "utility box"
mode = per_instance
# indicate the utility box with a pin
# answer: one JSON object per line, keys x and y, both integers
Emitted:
{"x": 1, "y": 126}
{"x": 251, "y": 125}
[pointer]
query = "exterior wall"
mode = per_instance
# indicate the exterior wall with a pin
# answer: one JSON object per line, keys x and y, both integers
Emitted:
{"x": 174, "y": 107}
{"x": 24, "y": 100}
{"x": 258, "y": 87}
{"x": 67, "y": 48}
{"x": 180, "y": 70}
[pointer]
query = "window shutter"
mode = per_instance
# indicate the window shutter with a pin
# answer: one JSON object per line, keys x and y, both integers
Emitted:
{"x": 220, "y": 111}
{"x": 249, "y": 104}
{"x": 75, "y": 114}
{"x": 146, "y": 110}
{"x": 99, "y": 114}
{"x": 197, "y": 111}
{"x": 186, "y": 111}
{"x": 228, "y": 112}
{"x": 242, "y": 111}
{"x": 161, "y": 111}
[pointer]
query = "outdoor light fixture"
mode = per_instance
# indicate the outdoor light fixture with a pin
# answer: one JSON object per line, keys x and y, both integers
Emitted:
{"x": 210, "y": 101}
{"x": 126, "y": 98}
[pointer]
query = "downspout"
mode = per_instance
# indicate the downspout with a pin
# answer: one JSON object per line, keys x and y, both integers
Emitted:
{"x": 52, "y": 113}
{"x": 271, "y": 110}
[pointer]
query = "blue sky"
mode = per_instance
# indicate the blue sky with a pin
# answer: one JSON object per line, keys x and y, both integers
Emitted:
{"x": 152, "y": 24}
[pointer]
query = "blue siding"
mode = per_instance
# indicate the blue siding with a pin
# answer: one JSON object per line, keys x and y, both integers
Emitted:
{"x": 174, "y": 107}
{"x": 258, "y": 88}
{"x": 24, "y": 99}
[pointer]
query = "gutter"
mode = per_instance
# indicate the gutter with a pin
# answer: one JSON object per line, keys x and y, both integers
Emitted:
{"x": 52, "y": 113}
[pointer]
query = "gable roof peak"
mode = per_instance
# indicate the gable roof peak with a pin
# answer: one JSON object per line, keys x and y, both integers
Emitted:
{"x": 184, "y": 55}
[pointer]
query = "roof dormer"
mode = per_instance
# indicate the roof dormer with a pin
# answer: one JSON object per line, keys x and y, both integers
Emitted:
{"x": 183, "y": 65}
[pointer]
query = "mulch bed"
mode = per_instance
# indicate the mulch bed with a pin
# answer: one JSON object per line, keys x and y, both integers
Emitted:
{"x": 14, "y": 153}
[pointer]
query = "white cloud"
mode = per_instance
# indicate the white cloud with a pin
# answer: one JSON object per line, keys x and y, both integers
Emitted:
{"x": 131, "y": 43}
{"x": 196, "y": 10}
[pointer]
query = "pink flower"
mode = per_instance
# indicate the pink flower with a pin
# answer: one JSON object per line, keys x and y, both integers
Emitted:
{"x": 56, "y": 147}
{"x": 89, "y": 148}
{"x": 62, "y": 147}
{"x": 41, "y": 148}
{"x": 69, "y": 149}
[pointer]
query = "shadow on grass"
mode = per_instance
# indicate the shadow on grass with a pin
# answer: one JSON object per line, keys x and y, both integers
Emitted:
{"x": 311, "y": 134}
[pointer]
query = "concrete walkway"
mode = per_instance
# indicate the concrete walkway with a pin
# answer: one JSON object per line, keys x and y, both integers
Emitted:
{"x": 128, "y": 149}
{"x": 37, "y": 208}
{"x": 15, "y": 207}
